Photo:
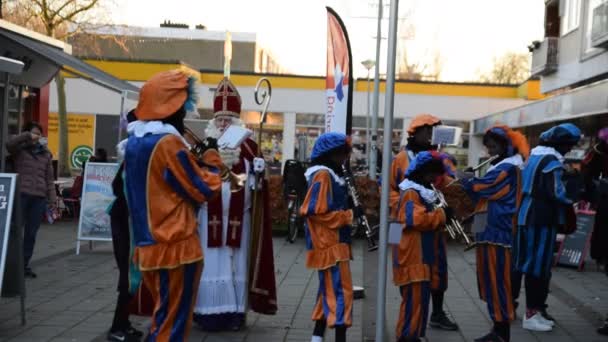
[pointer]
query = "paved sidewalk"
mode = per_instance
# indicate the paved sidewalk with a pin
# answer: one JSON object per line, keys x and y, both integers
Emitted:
{"x": 577, "y": 301}
{"x": 73, "y": 299}
{"x": 74, "y": 296}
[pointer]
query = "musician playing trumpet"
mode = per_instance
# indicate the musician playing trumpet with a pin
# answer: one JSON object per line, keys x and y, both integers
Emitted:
{"x": 420, "y": 133}
{"x": 418, "y": 220}
{"x": 497, "y": 195}
{"x": 164, "y": 185}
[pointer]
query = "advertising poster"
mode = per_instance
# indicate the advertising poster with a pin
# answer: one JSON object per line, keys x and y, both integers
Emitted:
{"x": 97, "y": 195}
{"x": 81, "y": 137}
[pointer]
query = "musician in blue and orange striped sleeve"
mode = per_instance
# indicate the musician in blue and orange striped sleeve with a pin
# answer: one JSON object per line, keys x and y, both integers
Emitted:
{"x": 164, "y": 184}
{"x": 417, "y": 221}
{"x": 327, "y": 227}
{"x": 498, "y": 193}
{"x": 420, "y": 132}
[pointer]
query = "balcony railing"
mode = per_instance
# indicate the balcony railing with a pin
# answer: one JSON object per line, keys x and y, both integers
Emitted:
{"x": 544, "y": 57}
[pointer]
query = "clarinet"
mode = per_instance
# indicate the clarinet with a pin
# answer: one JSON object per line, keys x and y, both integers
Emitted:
{"x": 360, "y": 217}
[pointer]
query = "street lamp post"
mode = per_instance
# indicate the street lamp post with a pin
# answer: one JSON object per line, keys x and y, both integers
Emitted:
{"x": 368, "y": 64}
{"x": 386, "y": 159}
{"x": 374, "y": 152}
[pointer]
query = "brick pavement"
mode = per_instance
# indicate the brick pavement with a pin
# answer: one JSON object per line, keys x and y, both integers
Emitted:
{"x": 73, "y": 298}
{"x": 471, "y": 313}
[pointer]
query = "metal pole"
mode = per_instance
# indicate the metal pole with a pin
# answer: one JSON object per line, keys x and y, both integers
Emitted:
{"x": 367, "y": 139}
{"x": 20, "y": 110}
{"x": 122, "y": 111}
{"x": 4, "y": 123}
{"x": 386, "y": 159}
{"x": 374, "y": 150}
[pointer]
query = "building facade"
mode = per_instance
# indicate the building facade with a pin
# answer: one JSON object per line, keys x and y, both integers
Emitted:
{"x": 572, "y": 64}
{"x": 198, "y": 47}
{"x": 297, "y": 109}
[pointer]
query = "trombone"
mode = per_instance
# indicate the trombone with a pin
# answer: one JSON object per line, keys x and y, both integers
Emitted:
{"x": 237, "y": 181}
{"x": 453, "y": 226}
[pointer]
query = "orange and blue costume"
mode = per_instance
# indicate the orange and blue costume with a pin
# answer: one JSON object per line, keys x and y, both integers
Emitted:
{"x": 414, "y": 256}
{"x": 164, "y": 185}
{"x": 498, "y": 193}
{"x": 328, "y": 238}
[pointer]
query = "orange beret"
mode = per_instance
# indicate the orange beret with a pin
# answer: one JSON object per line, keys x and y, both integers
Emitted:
{"x": 422, "y": 120}
{"x": 162, "y": 95}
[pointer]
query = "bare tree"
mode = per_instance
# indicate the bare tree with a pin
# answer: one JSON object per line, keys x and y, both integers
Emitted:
{"x": 429, "y": 70}
{"x": 511, "y": 68}
{"x": 59, "y": 19}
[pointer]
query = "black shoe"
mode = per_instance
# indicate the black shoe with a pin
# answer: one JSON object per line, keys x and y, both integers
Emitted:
{"x": 122, "y": 336}
{"x": 442, "y": 321}
{"x": 546, "y": 315}
{"x": 134, "y": 332}
{"x": 29, "y": 273}
{"x": 603, "y": 330}
{"x": 490, "y": 337}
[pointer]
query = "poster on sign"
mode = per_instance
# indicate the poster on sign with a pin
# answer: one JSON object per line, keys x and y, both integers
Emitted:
{"x": 7, "y": 195}
{"x": 446, "y": 135}
{"x": 97, "y": 195}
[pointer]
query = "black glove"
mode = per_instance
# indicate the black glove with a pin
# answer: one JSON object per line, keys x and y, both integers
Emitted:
{"x": 209, "y": 143}
{"x": 358, "y": 212}
{"x": 449, "y": 213}
{"x": 469, "y": 170}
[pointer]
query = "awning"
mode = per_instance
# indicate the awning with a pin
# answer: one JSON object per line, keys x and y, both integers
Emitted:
{"x": 579, "y": 102}
{"x": 40, "y": 59}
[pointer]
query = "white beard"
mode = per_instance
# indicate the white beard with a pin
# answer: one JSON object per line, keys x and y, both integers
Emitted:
{"x": 230, "y": 157}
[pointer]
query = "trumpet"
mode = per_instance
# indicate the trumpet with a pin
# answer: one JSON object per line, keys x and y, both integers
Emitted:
{"x": 237, "y": 181}
{"x": 485, "y": 162}
{"x": 453, "y": 226}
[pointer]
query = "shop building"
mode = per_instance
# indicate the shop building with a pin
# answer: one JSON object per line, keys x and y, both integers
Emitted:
{"x": 572, "y": 64}
{"x": 297, "y": 108}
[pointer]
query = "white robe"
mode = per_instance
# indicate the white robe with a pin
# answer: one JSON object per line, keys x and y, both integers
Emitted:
{"x": 223, "y": 284}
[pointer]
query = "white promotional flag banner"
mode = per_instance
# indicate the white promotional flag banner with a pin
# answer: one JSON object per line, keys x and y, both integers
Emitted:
{"x": 338, "y": 81}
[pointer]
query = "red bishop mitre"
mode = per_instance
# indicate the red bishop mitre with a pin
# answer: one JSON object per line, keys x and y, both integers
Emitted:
{"x": 226, "y": 100}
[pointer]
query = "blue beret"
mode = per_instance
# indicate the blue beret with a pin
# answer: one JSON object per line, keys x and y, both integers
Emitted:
{"x": 564, "y": 133}
{"x": 327, "y": 142}
{"x": 421, "y": 159}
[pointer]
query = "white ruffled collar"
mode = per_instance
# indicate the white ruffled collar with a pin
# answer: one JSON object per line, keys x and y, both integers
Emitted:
{"x": 516, "y": 160}
{"x": 141, "y": 128}
{"x": 311, "y": 170}
{"x": 546, "y": 150}
{"x": 428, "y": 195}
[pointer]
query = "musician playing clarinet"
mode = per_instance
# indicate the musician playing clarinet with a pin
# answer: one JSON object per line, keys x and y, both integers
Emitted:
{"x": 328, "y": 235}
{"x": 496, "y": 194}
{"x": 419, "y": 137}
{"x": 417, "y": 221}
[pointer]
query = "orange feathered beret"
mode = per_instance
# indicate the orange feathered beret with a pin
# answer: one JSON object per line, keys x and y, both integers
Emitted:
{"x": 422, "y": 120}
{"x": 162, "y": 95}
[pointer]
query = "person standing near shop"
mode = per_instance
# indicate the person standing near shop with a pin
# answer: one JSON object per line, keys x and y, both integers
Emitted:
{"x": 32, "y": 161}
{"x": 542, "y": 211}
{"x": 595, "y": 166}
